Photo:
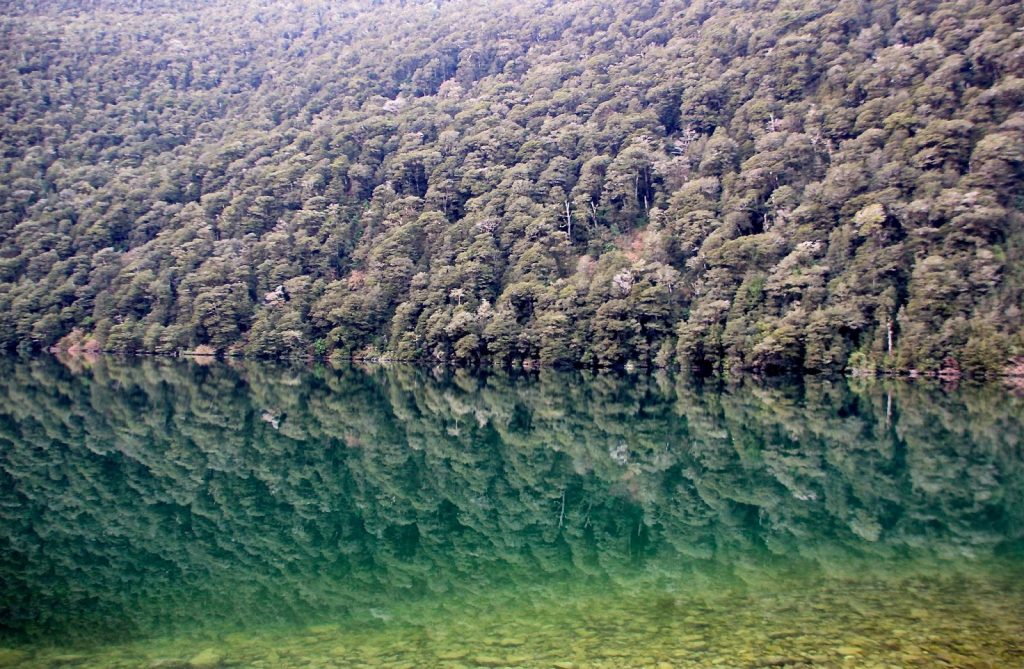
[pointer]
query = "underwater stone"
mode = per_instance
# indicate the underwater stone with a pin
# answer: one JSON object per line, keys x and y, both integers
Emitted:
{"x": 783, "y": 634}
{"x": 777, "y": 661}
{"x": 206, "y": 659}
{"x": 67, "y": 659}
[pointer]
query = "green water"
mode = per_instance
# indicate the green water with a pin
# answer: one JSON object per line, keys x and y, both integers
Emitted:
{"x": 170, "y": 514}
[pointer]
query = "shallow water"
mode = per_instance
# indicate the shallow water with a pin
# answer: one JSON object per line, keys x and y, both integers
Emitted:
{"x": 169, "y": 514}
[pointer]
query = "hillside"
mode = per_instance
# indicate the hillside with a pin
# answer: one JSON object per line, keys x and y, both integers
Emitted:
{"x": 715, "y": 184}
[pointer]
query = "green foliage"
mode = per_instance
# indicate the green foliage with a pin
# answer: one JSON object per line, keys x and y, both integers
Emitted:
{"x": 806, "y": 182}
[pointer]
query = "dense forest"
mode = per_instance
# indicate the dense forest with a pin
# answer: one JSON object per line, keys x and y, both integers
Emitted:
{"x": 714, "y": 184}
{"x": 145, "y": 496}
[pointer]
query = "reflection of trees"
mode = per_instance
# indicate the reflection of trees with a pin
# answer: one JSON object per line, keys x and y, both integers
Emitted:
{"x": 170, "y": 488}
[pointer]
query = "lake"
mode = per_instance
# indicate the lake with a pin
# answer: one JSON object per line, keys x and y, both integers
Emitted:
{"x": 172, "y": 514}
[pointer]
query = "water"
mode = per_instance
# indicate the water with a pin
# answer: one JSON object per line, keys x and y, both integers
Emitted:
{"x": 172, "y": 514}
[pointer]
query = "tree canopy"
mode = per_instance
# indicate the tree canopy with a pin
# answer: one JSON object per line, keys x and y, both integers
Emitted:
{"x": 750, "y": 185}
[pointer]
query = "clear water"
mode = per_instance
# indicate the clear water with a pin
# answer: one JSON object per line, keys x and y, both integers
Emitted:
{"x": 172, "y": 514}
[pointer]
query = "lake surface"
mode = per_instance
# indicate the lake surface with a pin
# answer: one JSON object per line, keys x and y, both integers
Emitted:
{"x": 159, "y": 513}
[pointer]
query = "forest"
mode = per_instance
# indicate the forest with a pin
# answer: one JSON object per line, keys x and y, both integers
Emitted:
{"x": 767, "y": 185}
{"x": 143, "y": 496}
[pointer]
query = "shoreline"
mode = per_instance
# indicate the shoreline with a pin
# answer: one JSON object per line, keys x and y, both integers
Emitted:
{"x": 1012, "y": 375}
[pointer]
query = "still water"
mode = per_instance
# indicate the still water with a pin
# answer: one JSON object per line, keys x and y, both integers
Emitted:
{"x": 169, "y": 514}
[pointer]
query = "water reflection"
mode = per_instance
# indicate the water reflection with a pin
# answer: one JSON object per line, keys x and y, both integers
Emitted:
{"x": 138, "y": 498}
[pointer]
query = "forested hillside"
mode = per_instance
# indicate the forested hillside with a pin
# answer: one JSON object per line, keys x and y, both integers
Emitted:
{"x": 719, "y": 184}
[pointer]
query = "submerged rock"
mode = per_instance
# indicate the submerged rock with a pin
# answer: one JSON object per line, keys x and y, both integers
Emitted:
{"x": 776, "y": 661}
{"x": 206, "y": 659}
{"x": 67, "y": 658}
{"x": 10, "y": 656}
{"x": 168, "y": 663}
{"x": 511, "y": 641}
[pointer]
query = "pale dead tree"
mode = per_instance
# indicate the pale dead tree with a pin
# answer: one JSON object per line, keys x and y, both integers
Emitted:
{"x": 683, "y": 142}
{"x": 488, "y": 224}
{"x": 568, "y": 219}
{"x": 623, "y": 282}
